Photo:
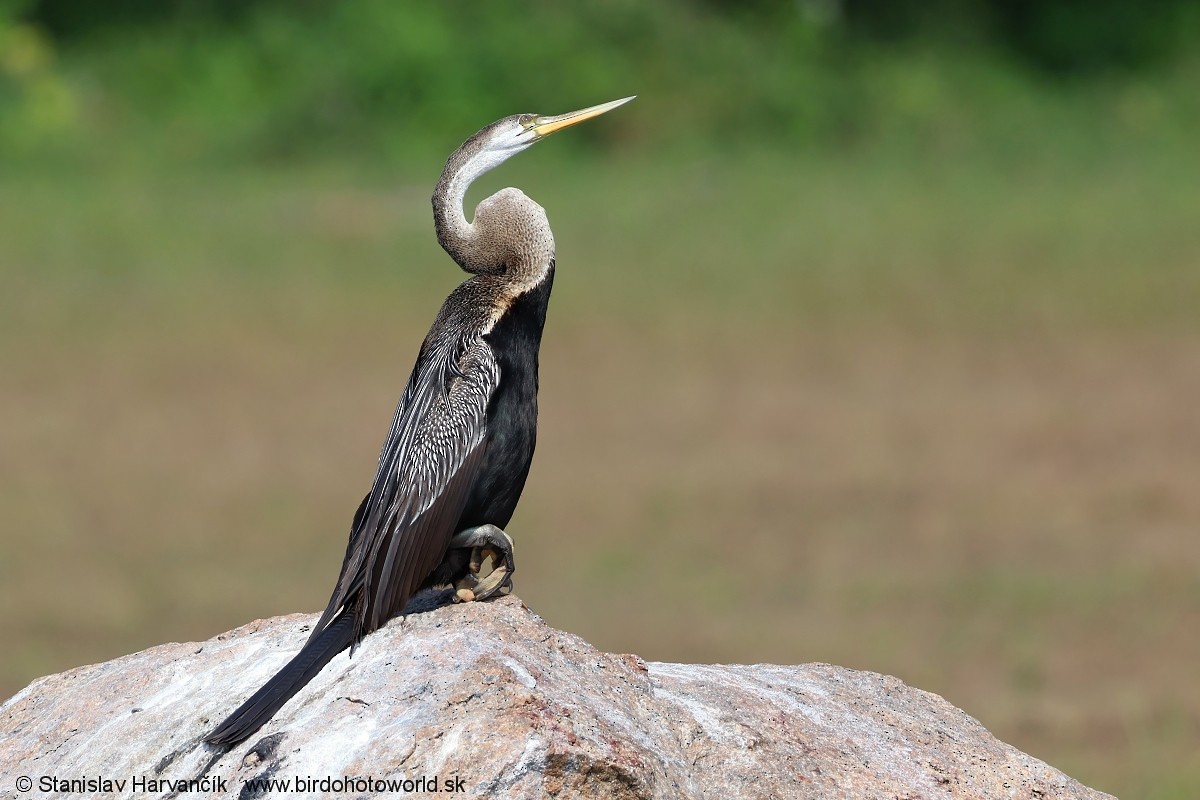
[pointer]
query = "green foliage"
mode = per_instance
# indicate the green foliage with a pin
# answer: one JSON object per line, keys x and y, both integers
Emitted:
{"x": 397, "y": 80}
{"x": 37, "y": 107}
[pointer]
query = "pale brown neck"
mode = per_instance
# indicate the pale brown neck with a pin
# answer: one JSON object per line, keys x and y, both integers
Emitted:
{"x": 455, "y": 234}
{"x": 509, "y": 236}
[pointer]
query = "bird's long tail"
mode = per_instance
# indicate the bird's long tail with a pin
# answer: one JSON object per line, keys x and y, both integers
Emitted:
{"x": 262, "y": 705}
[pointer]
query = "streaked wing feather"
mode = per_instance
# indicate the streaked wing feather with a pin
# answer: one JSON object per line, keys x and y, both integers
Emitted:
{"x": 415, "y": 554}
{"x": 426, "y": 469}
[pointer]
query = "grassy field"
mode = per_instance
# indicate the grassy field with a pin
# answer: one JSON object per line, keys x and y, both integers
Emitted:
{"x": 927, "y": 416}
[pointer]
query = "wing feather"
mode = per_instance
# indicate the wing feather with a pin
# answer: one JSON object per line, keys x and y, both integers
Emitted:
{"x": 427, "y": 467}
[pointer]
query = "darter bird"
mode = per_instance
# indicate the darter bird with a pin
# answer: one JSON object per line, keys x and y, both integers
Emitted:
{"x": 459, "y": 448}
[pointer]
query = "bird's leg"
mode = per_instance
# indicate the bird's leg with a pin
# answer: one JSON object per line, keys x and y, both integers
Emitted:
{"x": 491, "y": 566}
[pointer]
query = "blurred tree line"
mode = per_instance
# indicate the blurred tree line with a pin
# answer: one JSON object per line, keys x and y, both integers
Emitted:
{"x": 276, "y": 78}
{"x": 1059, "y": 36}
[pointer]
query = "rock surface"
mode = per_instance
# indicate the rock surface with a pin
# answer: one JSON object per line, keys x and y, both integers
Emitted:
{"x": 492, "y": 701}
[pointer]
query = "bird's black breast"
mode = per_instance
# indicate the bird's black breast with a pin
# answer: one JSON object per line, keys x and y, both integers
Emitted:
{"x": 515, "y": 339}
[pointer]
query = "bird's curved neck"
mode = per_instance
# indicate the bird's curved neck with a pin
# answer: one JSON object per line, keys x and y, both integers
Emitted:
{"x": 509, "y": 237}
{"x": 455, "y": 233}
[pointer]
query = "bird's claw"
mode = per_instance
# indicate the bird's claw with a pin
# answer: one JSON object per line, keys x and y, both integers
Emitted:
{"x": 491, "y": 565}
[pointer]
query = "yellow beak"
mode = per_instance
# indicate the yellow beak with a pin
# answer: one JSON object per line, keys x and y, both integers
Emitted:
{"x": 544, "y": 126}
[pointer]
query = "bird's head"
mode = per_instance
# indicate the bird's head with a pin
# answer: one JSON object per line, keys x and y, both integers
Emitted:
{"x": 508, "y": 226}
{"x": 505, "y": 138}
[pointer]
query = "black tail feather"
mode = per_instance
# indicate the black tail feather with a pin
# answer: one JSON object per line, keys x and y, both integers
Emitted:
{"x": 262, "y": 705}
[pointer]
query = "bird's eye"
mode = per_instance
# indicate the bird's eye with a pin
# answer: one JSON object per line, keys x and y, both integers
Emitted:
{"x": 525, "y": 119}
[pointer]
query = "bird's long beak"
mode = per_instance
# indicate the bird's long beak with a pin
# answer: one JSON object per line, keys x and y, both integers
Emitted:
{"x": 544, "y": 126}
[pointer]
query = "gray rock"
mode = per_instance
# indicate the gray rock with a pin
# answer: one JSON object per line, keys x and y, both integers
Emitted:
{"x": 487, "y": 699}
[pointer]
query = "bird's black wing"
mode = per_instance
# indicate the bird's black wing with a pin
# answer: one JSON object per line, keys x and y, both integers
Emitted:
{"x": 427, "y": 468}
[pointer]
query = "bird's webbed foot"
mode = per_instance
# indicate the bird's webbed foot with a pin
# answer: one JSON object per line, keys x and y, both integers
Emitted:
{"x": 490, "y": 568}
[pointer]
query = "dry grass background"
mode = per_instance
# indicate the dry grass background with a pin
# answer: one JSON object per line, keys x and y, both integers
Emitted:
{"x": 935, "y": 424}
